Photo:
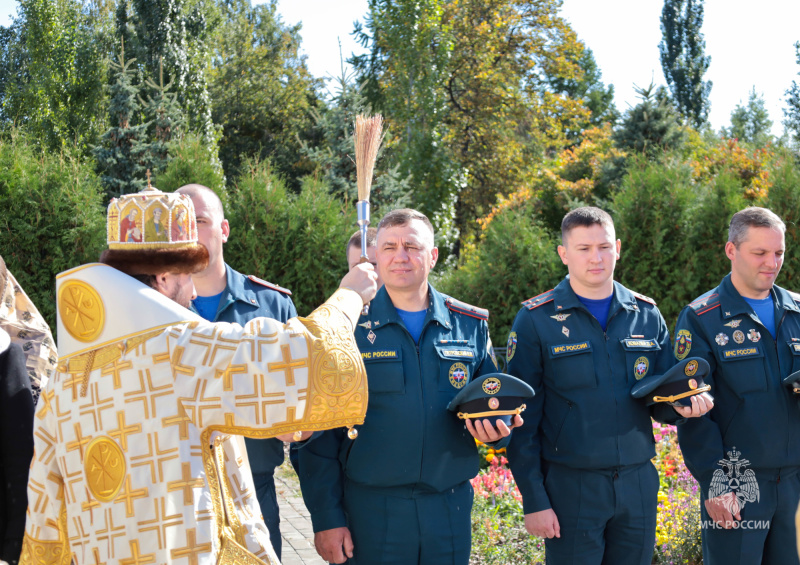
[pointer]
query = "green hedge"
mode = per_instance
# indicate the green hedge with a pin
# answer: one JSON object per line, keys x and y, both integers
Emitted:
{"x": 51, "y": 217}
{"x": 296, "y": 241}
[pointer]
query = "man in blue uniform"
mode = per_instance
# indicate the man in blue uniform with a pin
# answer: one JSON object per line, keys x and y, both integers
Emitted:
{"x": 746, "y": 453}
{"x": 225, "y": 295}
{"x": 399, "y": 492}
{"x": 582, "y": 459}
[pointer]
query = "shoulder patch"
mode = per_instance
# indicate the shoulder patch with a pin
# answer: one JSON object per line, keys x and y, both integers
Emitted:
{"x": 467, "y": 309}
{"x": 644, "y": 298}
{"x": 537, "y": 301}
{"x": 705, "y": 303}
{"x": 269, "y": 285}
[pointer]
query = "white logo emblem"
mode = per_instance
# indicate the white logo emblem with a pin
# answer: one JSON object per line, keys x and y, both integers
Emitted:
{"x": 565, "y": 331}
{"x": 734, "y": 478}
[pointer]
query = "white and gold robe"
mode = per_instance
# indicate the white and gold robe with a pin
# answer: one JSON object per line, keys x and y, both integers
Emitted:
{"x": 133, "y": 463}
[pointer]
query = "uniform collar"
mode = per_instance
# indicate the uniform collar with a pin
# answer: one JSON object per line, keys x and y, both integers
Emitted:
{"x": 564, "y": 298}
{"x": 383, "y": 312}
{"x": 733, "y": 304}
{"x": 235, "y": 288}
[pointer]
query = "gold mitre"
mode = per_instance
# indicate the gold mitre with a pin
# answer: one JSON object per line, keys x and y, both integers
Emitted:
{"x": 94, "y": 304}
{"x": 151, "y": 219}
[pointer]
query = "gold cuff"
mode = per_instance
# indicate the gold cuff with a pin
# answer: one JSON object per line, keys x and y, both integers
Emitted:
{"x": 349, "y": 302}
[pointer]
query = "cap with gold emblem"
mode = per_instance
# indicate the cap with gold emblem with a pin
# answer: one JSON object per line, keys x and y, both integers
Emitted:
{"x": 677, "y": 385}
{"x": 496, "y": 396}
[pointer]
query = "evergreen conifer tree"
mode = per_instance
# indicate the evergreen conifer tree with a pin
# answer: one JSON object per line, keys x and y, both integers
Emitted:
{"x": 683, "y": 58}
{"x": 165, "y": 123}
{"x": 750, "y": 123}
{"x": 651, "y": 126}
{"x": 122, "y": 151}
{"x": 792, "y": 113}
{"x": 335, "y": 153}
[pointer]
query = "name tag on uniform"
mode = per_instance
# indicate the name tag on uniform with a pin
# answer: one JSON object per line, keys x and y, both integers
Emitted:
{"x": 465, "y": 353}
{"x": 382, "y": 354}
{"x": 570, "y": 348}
{"x": 640, "y": 344}
{"x": 741, "y": 352}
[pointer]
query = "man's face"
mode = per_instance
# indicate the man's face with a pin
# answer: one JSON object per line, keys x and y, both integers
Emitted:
{"x": 354, "y": 258}
{"x": 405, "y": 256}
{"x": 157, "y": 214}
{"x": 590, "y": 254}
{"x": 177, "y": 287}
{"x": 212, "y": 229}
{"x": 755, "y": 264}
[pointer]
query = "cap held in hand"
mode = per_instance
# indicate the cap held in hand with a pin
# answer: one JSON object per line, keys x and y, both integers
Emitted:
{"x": 676, "y": 386}
{"x": 496, "y": 396}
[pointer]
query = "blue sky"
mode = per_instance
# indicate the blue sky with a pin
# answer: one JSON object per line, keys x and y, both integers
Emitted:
{"x": 750, "y": 44}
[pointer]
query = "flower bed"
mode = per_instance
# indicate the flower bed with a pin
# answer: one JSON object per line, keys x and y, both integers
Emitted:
{"x": 498, "y": 529}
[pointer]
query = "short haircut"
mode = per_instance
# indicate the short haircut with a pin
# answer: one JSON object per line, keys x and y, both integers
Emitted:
{"x": 753, "y": 217}
{"x": 585, "y": 217}
{"x": 355, "y": 239}
{"x": 404, "y": 216}
{"x": 192, "y": 190}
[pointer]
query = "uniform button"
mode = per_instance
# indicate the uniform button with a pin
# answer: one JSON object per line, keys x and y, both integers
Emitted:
{"x": 253, "y": 300}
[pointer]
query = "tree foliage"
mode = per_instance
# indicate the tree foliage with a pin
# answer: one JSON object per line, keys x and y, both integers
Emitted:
{"x": 652, "y": 126}
{"x": 683, "y": 58}
{"x": 53, "y": 72}
{"x": 465, "y": 86}
{"x": 262, "y": 92}
{"x": 750, "y": 123}
{"x": 792, "y": 111}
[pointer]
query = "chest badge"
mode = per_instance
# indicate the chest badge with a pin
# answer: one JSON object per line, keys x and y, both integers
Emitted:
{"x": 733, "y": 323}
{"x": 459, "y": 374}
{"x": 366, "y": 325}
{"x": 738, "y": 336}
{"x": 565, "y": 331}
{"x": 754, "y": 336}
{"x": 371, "y": 336}
{"x": 721, "y": 339}
{"x": 561, "y": 317}
{"x": 640, "y": 367}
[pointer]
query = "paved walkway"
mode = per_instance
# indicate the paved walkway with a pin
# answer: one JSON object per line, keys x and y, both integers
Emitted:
{"x": 298, "y": 536}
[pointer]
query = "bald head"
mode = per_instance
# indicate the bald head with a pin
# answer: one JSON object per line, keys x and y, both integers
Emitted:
{"x": 212, "y": 201}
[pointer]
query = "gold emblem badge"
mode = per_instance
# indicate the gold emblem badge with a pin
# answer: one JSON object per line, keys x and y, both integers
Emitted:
{"x": 81, "y": 310}
{"x": 690, "y": 369}
{"x": 692, "y": 384}
{"x": 494, "y": 404}
{"x": 733, "y": 323}
{"x": 491, "y": 385}
{"x": 738, "y": 336}
{"x": 459, "y": 375}
{"x": 561, "y": 317}
{"x": 104, "y": 467}
{"x": 640, "y": 367}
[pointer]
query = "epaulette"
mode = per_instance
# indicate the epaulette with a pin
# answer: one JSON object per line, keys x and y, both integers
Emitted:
{"x": 467, "y": 309}
{"x": 269, "y": 285}
{"x": 644, "y": 298}
{"x": 537, "y": 301}
{"x": 705, "y": 303}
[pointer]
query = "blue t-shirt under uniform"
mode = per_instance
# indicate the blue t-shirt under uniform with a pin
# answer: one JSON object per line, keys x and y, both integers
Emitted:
{"x": 414, "y": 321}
{"x": 598, "y": 308}
{"x": 765, "y": 310}
{"x": 207, "y": 306}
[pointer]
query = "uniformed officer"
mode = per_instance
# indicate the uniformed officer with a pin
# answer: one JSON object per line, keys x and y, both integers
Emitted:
{"x": 225, "y": 295}
{"x": 400, "y": 492}
{"x": 746, "y": 453}
{"x": 582, "y": 459}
